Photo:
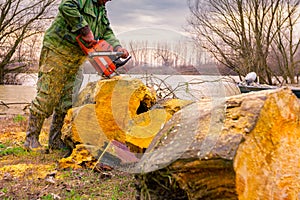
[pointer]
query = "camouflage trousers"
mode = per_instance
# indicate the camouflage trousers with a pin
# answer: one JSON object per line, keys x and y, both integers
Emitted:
{"x": 59, "y": 80}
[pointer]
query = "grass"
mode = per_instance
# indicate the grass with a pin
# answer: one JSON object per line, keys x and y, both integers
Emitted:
{"x": 19, "y": 118}
{"x": 65, "y": 184}
{"x": 17, "y": 151}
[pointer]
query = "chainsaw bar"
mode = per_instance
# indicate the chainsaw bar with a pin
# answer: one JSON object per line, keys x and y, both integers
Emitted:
{"x": 105, "y": 53}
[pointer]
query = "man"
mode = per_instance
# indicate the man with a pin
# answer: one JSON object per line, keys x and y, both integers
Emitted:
{"x": 60, "y": 60}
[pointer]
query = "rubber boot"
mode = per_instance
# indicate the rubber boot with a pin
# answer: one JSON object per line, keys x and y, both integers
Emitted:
{"x": 55, "y": 141}
{"x": 35, "y": 123}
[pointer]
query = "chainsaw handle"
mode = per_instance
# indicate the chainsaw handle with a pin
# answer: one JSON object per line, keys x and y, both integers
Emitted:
{"x": 83, "y": 47}
{"x": 120, "y": 63}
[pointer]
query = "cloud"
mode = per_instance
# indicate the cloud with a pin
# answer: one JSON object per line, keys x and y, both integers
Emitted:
{"x": 126, "y": 15}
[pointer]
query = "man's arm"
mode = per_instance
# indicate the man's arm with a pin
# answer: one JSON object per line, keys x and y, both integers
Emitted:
{"x": 110, "y": 37}
{"x": 70, "y": 11}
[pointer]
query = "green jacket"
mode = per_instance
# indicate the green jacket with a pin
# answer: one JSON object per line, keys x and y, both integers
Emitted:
{"x": 72, "y": 16}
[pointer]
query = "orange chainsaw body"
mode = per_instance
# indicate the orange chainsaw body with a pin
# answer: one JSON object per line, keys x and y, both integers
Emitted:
{"x": 103, "y": 64}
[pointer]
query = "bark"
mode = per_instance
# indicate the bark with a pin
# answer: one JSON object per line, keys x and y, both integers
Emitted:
{"x": 243, "y": 148}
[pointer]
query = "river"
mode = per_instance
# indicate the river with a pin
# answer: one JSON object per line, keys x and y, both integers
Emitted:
{"x": 184, "y": 86}
{"x": 11, "y": 94}
{"x": 17, "y": 93}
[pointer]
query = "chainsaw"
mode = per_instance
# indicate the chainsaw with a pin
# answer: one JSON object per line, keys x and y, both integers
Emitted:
{"x": 103, "y": 58}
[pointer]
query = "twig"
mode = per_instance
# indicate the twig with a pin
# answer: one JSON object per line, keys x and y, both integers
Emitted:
{"x": 100, "y": 157}
{"x": 4, "y": 104}
{"x": 14, "y": 103}
{"x": 164, "y": 90}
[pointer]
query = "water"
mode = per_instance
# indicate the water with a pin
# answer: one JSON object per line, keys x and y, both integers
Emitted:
{"x": 11, "y": 94}
{"x": 197, "y": 88}
{"x": 17, "y": 93}
{"x": 189, "y": 87}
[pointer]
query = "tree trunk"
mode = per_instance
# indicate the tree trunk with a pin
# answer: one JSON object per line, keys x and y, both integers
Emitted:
{"x": 1, "y": 76}
{"x": 243, "y": 148}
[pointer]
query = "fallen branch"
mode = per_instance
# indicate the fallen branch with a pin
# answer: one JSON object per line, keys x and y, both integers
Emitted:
{"x": 4, "y": 104}
{"x": 14, "y": 103}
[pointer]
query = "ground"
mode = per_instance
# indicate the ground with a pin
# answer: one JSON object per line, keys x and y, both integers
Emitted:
{"x": 34, "y": 175}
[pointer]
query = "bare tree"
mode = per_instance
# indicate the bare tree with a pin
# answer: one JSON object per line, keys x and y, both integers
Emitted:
{"x": 241, "y": 33}
{"x": 19, "y": 20}
{"x": 286, "y": 43}
{"x": 177, "y": 54}
{"x": 164, "y": 55}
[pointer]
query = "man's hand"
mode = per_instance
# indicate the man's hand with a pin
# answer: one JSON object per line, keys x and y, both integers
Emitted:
{"x": 103, "y": 2}
{"x": 87, "y": 35}
{"x": 89, "y": 38}
{"x": 124, "y": 51}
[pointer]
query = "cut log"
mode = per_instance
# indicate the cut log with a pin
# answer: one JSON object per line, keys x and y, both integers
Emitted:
{"x": 81, "y": 127}
{"x": 245, "y": 147}
{"x": 84, "y": 126}
{"x": 142, "y": 128}
{"x": 267, "y": 163}
{"x": 117, "y": 101}
{"x": 82, "y": 133}
{"x": 87, "y": 95}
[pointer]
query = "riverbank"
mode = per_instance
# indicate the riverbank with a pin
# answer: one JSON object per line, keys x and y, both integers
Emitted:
{"x": 34, "y": 175}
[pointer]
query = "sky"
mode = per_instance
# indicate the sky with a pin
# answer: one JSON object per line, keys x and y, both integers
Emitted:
{"x": 138, "y": 18}
{"x": 154, "y": 21}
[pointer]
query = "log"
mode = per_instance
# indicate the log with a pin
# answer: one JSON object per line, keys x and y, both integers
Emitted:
{"x": 87, "y": 95}
{"x": 143, "y": 127}
{"x": 119, "y": 119}
{"x": 245, "y": 147}
{"x": 82, "y": 133}
{"x": 115, "y": 100}
{"x": 118, "y": 100}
